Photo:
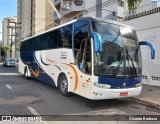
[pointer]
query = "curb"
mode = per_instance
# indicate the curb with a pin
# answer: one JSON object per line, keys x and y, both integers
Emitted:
{"x": 145, "y": 102}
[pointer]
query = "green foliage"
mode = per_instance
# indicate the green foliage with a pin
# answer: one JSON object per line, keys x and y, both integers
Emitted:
{"x": 4, "y": 50}
{"x": 133, "y": 4}
{"x": 18, "y": 49}
{"x": 7, "y": 48}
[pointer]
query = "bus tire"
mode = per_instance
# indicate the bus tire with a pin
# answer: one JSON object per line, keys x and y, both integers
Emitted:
{"x": 63, "y": 85}
{"x": 26, "y": 73}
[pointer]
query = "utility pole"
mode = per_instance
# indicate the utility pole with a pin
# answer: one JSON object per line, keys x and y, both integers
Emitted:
{"x": 61, "y": 12}
{"x": 13, "y": 27}
{"x": 11, "y": 44}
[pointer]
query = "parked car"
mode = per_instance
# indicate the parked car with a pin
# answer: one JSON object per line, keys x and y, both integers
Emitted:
{"x": 9, "y": 62}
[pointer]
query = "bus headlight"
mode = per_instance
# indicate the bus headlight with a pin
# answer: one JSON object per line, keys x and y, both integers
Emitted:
{"x": 104, "y": 86}
{"x": 138, "y": 85}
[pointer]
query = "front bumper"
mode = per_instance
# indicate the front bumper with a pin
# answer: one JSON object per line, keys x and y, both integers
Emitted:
{"x": 100, "y": 93}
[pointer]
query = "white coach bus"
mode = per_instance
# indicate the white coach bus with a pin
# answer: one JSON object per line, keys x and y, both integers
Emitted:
{"x": 91, "y": 57}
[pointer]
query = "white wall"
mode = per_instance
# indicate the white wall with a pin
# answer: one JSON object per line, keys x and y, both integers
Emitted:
{"x": 103, "y": 12}
{"x": 148, "y": 28}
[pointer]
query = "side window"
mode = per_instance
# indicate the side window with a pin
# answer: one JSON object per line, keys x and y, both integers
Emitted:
{"x": 65, "y": 37}
{"x": 25, "y": 47}
{"x": 35, "y": 43}
{"x": 30, "y": 45}
{"x": 52, "y": 39}
{"x": 42, "y": 42}
{"x": 80, "y": 32}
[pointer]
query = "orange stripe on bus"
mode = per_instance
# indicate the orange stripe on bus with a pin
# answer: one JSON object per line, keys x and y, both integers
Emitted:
{"x": 75, "y": 72}
{"x": 76, "y": 77}
{"x": 50, "y": 60}
{"x": 36, "y": 74}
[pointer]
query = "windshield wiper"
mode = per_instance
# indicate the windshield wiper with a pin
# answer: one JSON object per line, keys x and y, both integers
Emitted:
{"x": 119, "y": 63}
{"x": 129, "y": 58}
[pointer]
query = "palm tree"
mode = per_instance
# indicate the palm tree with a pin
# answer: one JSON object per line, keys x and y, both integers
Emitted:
{"x": 6, "y": 49}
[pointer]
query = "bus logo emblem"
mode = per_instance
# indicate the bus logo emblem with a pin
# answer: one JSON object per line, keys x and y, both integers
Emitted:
{"x": 124, "y": 85}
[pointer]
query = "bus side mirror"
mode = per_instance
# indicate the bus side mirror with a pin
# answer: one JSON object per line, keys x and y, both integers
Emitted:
{"x": 97, "y": 42}
{"x": 150, "y": 46}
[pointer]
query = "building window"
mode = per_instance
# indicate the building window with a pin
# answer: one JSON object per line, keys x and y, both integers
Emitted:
{"x": 121, "y": 3}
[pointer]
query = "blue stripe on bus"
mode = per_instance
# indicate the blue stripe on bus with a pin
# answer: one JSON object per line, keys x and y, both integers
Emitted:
{"x": 42, "y": 61}
{"x": 28, "y": 59}
{"x": 118, "y": 83}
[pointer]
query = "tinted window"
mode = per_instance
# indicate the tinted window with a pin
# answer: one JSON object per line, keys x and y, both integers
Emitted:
{"x": 65, "y": 37}
{"x": 35, "y": 43}
{"x": 128, "y": 33}
{"x": 25, "y": 46}
{"x": 52, "y": 39}
{"x": 80, "y": 33}
{"x": 42, "y": 42}
{"x": 30, "y": 45}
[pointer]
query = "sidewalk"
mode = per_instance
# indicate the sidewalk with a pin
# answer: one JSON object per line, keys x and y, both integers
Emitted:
{"x": 150, "y": 95}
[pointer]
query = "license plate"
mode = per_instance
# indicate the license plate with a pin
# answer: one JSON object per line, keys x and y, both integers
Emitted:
{"x": 124, "y": 94}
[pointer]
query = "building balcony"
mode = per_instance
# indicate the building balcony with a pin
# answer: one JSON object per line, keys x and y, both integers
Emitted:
{"x": 143, "y": 11}
{"x": 73, "y": 11}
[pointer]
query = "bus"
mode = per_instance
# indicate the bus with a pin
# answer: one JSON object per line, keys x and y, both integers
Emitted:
{"x": 91, "y": 57}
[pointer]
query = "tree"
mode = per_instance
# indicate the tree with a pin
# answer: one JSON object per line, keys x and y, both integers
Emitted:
{"x": 4, "y": 50}
{"x": 17, "y": 48}
{"x": 133, "y": 4}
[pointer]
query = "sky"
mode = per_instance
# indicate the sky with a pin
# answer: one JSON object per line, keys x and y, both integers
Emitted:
{"x": 7, "y": 8}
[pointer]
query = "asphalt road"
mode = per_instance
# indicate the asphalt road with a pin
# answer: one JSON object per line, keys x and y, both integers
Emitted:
{"x": 19, "y": 96}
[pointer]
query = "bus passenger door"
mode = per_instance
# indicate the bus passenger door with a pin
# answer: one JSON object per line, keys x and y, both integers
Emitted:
{"x": 84, "y": 63}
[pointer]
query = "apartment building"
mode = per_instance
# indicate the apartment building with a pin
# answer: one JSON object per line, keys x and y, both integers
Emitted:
{"x": 35, "y": 16}
{"x": 8, "y": 35}
{"x": 145, "y": 19}
{"x": 71, "y": 9}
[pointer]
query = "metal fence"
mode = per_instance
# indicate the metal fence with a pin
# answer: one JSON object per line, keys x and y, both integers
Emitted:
{"x": 143, "y": 10}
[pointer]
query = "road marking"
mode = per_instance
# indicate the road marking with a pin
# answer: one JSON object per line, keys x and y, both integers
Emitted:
{"x": 8, "y": 86}
{"x": 4, "y": 74}
{"x": 33, "y": 111}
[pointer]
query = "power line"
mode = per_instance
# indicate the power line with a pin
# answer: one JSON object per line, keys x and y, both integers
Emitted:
{"x": 104, "y": 4}
{"x": 109, "y": 2}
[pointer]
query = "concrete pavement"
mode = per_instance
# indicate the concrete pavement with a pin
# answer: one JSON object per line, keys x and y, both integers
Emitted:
{"x": 150, "y": 95}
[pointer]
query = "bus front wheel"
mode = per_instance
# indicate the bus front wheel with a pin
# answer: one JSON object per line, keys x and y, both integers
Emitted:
{"x": 63, "y": 85}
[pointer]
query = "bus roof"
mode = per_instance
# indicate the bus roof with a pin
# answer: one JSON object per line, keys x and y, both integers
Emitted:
{"x": 80, "y": 19}
{"x": 103, "y": 20}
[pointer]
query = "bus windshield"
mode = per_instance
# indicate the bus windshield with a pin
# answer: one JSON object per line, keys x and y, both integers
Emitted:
{"x": 120, "y": 56}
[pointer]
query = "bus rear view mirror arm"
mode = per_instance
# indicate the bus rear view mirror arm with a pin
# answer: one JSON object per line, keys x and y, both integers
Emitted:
{"x": 150, "y": 46}
{"x": 97, "y": 42}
